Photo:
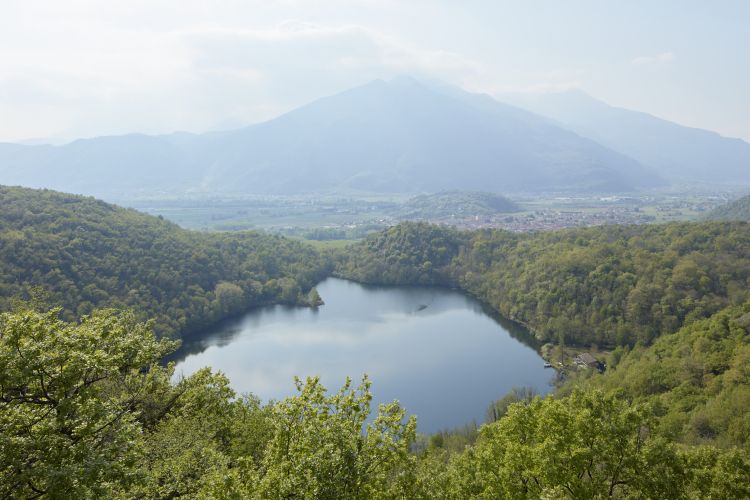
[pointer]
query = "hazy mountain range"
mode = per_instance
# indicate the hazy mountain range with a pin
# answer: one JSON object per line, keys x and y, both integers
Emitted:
{"x": 676, "y": 152}
{"x": 396, "y": 136}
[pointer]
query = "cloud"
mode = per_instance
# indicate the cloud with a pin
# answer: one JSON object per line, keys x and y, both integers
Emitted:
{"x": 199, "y": 77}
{"x": 249, "y": 75}
{"x": 538, "y": 88}
{"x": 308, "y": 49}
{"x": 664, "y": 57}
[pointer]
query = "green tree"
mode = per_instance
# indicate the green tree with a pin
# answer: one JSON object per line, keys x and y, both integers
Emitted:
{"x": 192, "y": 441}
{"x": 229, "y": 297}
{"x": 498, "y": 409}
{"x": 322, "y": 446}
{"x": 69, "y": 399}
{"x": 609, "y": 285}
{"x": 86, "y": 254}
{"x": 587, "y": 445}
{"x": 718, "y": 473}
{"x": 314, "y": 299}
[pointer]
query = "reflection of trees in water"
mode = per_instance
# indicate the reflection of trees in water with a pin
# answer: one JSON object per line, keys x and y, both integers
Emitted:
{"x": 516, "y": 330}
{"x": 418, "y": 299}
{"x": 223, "y": 333}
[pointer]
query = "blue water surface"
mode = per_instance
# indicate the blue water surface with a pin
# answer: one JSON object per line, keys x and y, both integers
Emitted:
{"x": 437, "y": 351}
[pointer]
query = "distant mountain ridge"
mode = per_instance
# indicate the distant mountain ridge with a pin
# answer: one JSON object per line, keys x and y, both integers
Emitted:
{"x": 397, "y": 136}
{"x": 675, "y": 152}
{"x": 402, "y": 136}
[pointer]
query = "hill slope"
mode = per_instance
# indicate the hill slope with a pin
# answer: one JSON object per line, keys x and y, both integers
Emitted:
{"x": 397, "y": 136}
{"x": 734, "y": 210}
{"x": 698, "y": 378}
{"x": 606, "y": 285}
{"x": 455, "y": 203}
{"x": 674, "y": 151}
{"x": 85, "y": 254}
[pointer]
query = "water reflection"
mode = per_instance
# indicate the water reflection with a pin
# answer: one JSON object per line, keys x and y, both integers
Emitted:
{"x": 435, "y": 350}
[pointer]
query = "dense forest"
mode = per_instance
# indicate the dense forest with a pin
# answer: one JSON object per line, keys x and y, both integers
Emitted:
{"x": 697, "y": 380}
{"x": 86, "y": 410}
{"x": 82, "y": 254}
{"x": 607, "y": 285}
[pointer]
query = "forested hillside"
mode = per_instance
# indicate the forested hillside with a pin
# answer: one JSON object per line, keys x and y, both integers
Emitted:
{"x": 81, "y": 254}
{"x": 608, "y": 285}
{"x": 666, "y": 420}
{"x": 108, "y": 423}
{"x": 734, "y": 210}
{"x": 698, "y": 379}
{"x": 455, "y": 203}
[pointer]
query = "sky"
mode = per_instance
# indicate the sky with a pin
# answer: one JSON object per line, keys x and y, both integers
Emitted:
{"x": 82, "y": 68}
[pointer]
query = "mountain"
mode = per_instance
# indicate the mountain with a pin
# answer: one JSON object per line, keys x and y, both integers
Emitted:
{"x": 397, "y": 136}
{"x": 103, "y": 165}
{"x": 402, "y": 136}
{"x": 734, "y": 210}
{"x": 676, "y": 152}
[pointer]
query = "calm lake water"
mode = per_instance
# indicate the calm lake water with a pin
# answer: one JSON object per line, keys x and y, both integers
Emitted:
{"x": 435, "y": 350}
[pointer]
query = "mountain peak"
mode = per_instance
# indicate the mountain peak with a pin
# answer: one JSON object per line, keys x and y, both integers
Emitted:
{"x": 405, "y": 81}
{"x": 395, "y": 136}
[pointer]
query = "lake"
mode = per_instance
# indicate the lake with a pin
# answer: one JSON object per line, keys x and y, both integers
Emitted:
{"x": 437, "y": 351}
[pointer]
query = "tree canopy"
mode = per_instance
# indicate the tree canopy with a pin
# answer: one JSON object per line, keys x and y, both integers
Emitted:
{"x": 85, "y": 254}
{"x": 607, "y": 285}
{"x": 697, "y": 379}
{"x": 85, "y": 411}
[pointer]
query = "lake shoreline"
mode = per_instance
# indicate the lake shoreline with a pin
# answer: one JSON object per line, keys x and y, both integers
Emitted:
{"x": 441, "y": 341}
